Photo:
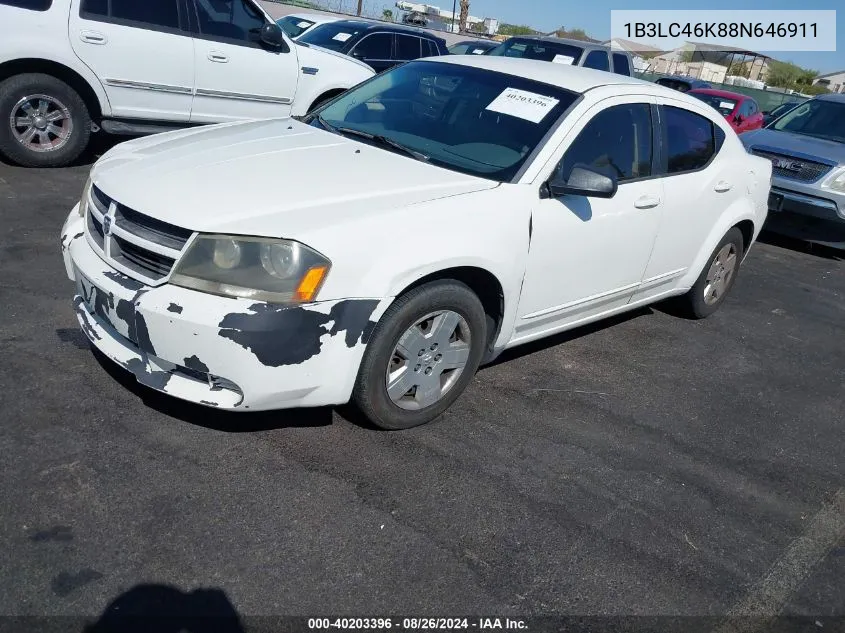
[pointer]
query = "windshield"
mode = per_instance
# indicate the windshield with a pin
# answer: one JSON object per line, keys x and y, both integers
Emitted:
{"x": 725, "y": 105}
{"x": 293, "y": 26}
{"x": 462, "y": 118}
{"x": 819, "y": 118}
{"x": 333, "y": 35}
{"x": 535, "y": 49}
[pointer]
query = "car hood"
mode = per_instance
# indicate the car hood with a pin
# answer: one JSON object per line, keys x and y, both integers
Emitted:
{"x": 796, "y": 144}
{"x": 276, "y": 178}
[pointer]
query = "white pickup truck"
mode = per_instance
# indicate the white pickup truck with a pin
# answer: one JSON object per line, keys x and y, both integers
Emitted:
{"x": 72, "y": 67}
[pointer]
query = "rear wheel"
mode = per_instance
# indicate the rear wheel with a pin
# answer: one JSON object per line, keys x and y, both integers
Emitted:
{"x": 423, "y": 354}
{"x": 43, "y": 121}
{"x": 716, "y": 280}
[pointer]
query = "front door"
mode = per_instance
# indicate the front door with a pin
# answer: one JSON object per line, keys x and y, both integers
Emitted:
{"x": 587, "y": 255}
{"x": 375, "y": 50}
{"x": 236, "y": 76}
{"x": 142, "y": 52}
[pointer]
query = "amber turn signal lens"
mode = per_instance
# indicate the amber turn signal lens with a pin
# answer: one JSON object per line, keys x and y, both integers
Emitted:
{"x": 309, "y": 285}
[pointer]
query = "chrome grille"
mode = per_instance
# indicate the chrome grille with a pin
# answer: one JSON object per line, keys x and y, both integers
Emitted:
{"x": 785, "y": 166}
{"x": 136, "y": 244}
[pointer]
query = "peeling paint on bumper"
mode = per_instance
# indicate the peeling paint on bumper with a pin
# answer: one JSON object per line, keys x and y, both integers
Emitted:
{"x": 228, "y": 353}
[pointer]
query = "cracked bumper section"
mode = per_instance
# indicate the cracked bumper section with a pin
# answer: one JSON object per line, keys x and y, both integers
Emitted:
{"x": 216, "y": 351}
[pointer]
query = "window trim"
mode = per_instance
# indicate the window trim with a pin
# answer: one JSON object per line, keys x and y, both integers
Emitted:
{"x": 664, "y": 132}
{"x": 195, "y": 31}
{"x": 182, "y": 16}
{"x": 8, "y": 3}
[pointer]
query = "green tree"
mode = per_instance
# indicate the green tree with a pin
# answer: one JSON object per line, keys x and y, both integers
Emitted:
{"x": 686, "y": 55}
{"x": 815, "y": 90}
{"x": 387, "y": 15}
{"x": 516, "y": 29}
{"x": 790, "y": 76}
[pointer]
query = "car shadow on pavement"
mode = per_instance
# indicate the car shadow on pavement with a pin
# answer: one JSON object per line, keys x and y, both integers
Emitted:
{"x": 801, "y": 246}
{"x": 570, "y": 335}
{"x": 166, "y": 609}
{"x": 207, "y": 417}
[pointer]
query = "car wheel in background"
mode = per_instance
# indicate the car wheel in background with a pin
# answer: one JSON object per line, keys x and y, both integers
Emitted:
{"x": 422, "y": 355}
{"x": 43, "y": 121}
{"x": 717, "y": 278}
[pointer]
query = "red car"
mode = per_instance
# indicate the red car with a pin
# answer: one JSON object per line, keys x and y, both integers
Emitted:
{"x": 740, "y": 110}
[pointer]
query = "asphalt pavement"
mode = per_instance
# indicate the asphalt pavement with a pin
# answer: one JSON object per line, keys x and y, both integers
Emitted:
{"x": 647, "y": 466}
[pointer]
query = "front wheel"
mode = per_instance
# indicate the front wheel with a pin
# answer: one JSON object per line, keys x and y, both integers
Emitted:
{"x": 422, "y": 355}
{"x": 718, "y": 277}
{"x": 43, "y": 121}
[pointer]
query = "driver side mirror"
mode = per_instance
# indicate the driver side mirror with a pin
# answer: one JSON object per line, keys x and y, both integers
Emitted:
{"x": 583, "y": 181}
{"x": 272, "y": 36}
{"x": 359, "y": 55}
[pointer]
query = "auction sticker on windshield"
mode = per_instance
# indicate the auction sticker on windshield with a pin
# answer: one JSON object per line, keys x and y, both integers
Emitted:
{"x": 726, "y": 104}
{"x": 523, "y": 104}
{"x": 342, "y": 37}
{"x": 304, "y": 25}
{"x": 563, "y": 59}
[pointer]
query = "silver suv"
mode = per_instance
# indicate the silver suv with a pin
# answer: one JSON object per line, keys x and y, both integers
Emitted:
{"x": 807, "y": 149}
{"x": 563, "y": 51}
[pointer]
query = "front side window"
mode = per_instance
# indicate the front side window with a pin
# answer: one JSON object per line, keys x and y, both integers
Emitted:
{"x": 154, "y": 13}
{"x": 692, "y": 140}
{"x": 461, "y": 118}
{"x": 32, "y": 5}
{"x": 334, "y": 36}
{"x": 621, "y": 64}
{"x": 408, "y": 47}
{"x": 235, "y": 20}
{"x": 538, "y": 49}
{"x": 597, "y": 60}
{"x": 294, "y": 26}
{"x": 818, "y": 118}
{"x": 376, "y": 46}
{"x": 616, "y": 142}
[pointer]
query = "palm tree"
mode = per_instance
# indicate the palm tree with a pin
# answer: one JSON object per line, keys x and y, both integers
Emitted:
{"x": 464, "y": 14}
{"x": 360, "y": 6}
{"x": 387, "y": 15}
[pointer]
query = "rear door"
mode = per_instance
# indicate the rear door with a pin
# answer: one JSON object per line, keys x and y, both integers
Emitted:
{"x": 142, "y": 52}
{"x": 597, "y": 59}
{"x": 237, "y": 77}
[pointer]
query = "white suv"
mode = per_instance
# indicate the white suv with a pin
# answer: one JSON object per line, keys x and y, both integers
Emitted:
{"x": 70, "y": 67}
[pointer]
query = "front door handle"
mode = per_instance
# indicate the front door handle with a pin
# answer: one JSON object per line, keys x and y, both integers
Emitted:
{"x": 722, "y": 186}
{"x": 217, "y": 57}
{"x": 93, "y": 37}
{"x": 647, "y": 202}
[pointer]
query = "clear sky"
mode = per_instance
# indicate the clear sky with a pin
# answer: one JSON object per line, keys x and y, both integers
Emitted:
{"x": 594, "y": 17}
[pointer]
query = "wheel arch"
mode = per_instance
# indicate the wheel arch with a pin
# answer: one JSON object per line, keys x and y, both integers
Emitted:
{"x": 746, "y": 227}
{"x": 60, "y": 71}
{"x": 325, "y": 96}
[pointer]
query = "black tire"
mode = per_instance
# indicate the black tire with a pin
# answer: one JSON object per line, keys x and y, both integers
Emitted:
{"x": 693, "y": 303}
{"x": 14, "y": 89}
{"x": 370, "y": 393}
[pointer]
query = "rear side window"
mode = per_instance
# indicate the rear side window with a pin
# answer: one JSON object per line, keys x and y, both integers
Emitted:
{"x": 692, "y": 140}
{"x": 154, "y": 13}
{"x": 376, "y": 46}
{"x": 32, "y": 5}
{"x": 597, "y": 60}
{"x": 617, "y": 141}
{"x": 621, "y": 65}
{"x": 430, "y": 48}
{"x": 408, "y": 47}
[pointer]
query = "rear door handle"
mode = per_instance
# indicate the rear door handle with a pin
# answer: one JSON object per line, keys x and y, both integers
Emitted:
{"x": 723, "y": 186}
{"x": 647, "y": 202}
{"x": 93, "y": 37}
{"x": 217, "y": 57}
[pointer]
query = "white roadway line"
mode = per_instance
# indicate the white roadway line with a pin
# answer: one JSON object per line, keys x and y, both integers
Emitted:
{"x": 790, "y": 571}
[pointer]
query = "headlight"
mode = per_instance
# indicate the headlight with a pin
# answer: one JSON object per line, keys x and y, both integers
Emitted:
{"x": 86, "y": 195}
{"x": 264, "y": 269}
{"x": 836, "y": 182}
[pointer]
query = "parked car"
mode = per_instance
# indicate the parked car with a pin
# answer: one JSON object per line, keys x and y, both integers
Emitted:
{"x": 472, "y": 47}
{"x": 741, "y": 111}
{"x": 563, "y": 51}
{"x": 546, "y": 205}
{"x": 807, "y": 149}
{"x": 71, "y": 67}
{"x": 783, "y": 108}
{"x": 296, "y": 24}
{"x": 681, "y": 83}
{"x": 415, "y": 18}
{"x": 380, "y": 46}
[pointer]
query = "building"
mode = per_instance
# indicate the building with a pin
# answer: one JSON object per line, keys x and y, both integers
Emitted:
{"x": 712, "y": 63}
{"x": 835, "y": 82}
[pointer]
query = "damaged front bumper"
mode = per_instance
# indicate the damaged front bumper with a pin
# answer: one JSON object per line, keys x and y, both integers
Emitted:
{"x": 223, "y": 352}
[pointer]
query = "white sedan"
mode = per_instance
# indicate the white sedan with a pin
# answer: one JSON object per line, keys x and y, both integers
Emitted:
{"x": 410, "y": 230}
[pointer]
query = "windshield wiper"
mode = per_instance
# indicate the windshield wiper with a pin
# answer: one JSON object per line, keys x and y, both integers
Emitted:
{"x": 381, "y": 140}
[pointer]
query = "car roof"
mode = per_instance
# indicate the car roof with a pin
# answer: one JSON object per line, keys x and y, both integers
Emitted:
{"x": 834, "y": 96}
{"x": 686, "y": 78}
{"x": 736, "y": 96}
{"x": 317, "y": 18}
{"x": 562, "y": 40}
{"x": 391, "y": 28}
{"x": 573, "y": 78}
